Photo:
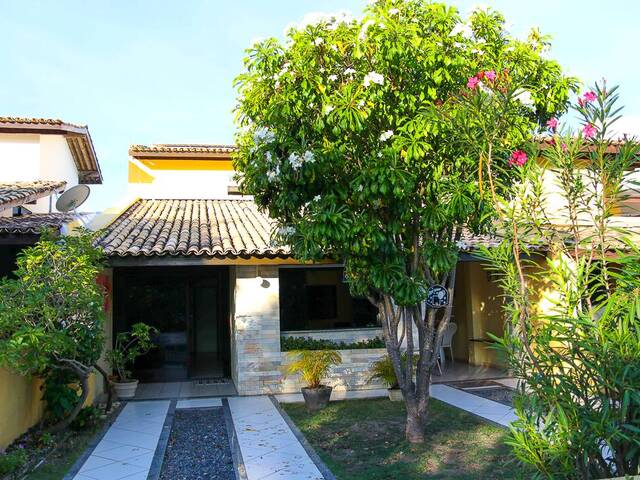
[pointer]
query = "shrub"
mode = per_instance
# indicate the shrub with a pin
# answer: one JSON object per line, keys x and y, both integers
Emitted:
{"x": 12, "y": 461}
{"x": 59, "y": 395}
{"x": 382, "y": 369}
{"x": 313, "y": 365}
{"x": 87, "y": 418}
{"x": 129, "y": 346}
{"x": 288, "y": 344}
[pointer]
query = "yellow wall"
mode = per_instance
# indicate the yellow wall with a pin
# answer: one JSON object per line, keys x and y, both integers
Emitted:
{"x": 21, "y": 406}
{"x": 477, "y": 311}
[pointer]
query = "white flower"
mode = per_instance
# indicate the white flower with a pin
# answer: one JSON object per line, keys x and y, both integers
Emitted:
{"x": 394, "y": 11}
{"x": 361, "y": 103}
{"x": 309, "y": 157}
{"x": 462, "y": 245}
{"x": 286, "y": 231}
{"x": 334, "y": 48}
{"x": 333, "y": 78}
{"x": 363, "y": 31}
{"x": 360, "y": 188}
{"x": 322, "y": 69}
{"x": 268, "y": 156}
{"x": 272, "y": 175}
{"x": 524, "y": 97}
{"x": 316, "y": 198}
{"x": 328, "y": 109}
{"x": 477, "y": 51}
{"x": 382, "y": 25}
{"x": 484, "y": 88}
{"x": 386, "y": 135}
{"x": 379, "y": 154}
{"x": 349, "y": 71}
{"x": 263, "y": 135}
{"x": 463, "y": 29}
{"x": 318, "y": 41}
{"x": 373, "y": 77}
{"x": 295, "y": 160}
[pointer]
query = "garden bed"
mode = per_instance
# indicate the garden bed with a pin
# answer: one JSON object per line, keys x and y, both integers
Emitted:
{"x": 363, "y": 440}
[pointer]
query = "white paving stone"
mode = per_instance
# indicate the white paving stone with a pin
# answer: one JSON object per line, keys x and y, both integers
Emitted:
{"x": 268, "y": 446}
{"x": 482, "y": 407}
{"x": 126, "y": 450}
{"x": 199, "y": 403}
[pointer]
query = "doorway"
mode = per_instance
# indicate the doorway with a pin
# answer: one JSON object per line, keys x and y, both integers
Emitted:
{"x": 189, "y": 307}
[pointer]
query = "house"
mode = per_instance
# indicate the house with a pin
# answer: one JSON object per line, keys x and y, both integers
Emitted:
{"x": 192, "y": 257}
{"x": 39, "y": 159}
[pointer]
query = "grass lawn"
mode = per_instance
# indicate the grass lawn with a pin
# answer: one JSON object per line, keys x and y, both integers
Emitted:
{"x": 59, "y": 462}
{"x": 364, "y": 440}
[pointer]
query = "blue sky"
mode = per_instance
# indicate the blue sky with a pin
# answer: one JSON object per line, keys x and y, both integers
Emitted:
{"x": 162, "y": 71}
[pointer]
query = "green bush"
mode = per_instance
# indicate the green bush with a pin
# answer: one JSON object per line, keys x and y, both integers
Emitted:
{"x": 87, "y": 418}
{"x": 382, "y": 369}
{"x": 288, "y": 344}
{"x": 12, "y": 461}
{"x": 58, "y": 394}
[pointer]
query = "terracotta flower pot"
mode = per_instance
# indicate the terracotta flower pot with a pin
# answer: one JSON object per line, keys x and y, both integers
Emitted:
{"x": 126, "y": 390}
{"x": 316, "y": 398}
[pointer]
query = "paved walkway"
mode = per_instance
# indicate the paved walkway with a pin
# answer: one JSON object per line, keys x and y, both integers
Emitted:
{"x": 269, "y": 448}
{"x": 127, "y": 449}
{"x": 482, "y": 407}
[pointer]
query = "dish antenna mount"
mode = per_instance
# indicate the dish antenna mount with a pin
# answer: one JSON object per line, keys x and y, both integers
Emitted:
{"x": 71, "y": 199}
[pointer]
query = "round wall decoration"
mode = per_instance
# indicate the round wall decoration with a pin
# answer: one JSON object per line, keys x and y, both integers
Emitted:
{"x": 437, "y": 296}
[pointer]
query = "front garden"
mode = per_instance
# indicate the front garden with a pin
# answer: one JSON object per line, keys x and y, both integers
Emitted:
{"x": 364, "y": 440}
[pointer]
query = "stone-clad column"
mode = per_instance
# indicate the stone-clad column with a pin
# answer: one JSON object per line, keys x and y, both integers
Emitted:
{"x": 256, "y": 330}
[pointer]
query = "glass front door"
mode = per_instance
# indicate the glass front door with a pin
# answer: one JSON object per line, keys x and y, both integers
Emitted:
{"x": 188, "y": 307}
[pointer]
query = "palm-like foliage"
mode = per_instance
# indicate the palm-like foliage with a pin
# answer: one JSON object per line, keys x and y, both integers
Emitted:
{"x": 313, "y": 365}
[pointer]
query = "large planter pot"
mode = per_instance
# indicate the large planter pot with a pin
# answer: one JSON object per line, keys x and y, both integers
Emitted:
{"x": 316, "y": 398}
{"x": 395, "y": 394}
{"x": 126, "y": 390}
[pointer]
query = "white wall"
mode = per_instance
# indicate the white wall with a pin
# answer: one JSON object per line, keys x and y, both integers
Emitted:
{"x": 26, "y": 157}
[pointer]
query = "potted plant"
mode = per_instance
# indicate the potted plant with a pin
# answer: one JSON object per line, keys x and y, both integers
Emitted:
{"x": 313, "y": 366}
{"x": 382, "y": 369}
{"x": 128, "y": 347}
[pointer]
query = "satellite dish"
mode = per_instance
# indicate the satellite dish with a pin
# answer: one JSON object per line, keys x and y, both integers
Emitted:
{"x": 72, "y": 198}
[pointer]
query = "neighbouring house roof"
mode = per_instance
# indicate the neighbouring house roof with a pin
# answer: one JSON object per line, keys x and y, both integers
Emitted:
{"x": 77, "y": 137}
{"x": 13, "y": 194}
{"x": 33, "y": 223}
{"x": 216, "y": 228}
{"x": 164, "y": 150}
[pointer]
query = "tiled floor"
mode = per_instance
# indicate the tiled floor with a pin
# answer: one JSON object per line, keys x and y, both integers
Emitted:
{"x": 269, "y": 448}
{"x": 485, "y": 408}
{"x": 161, "y": 390}
{"x": 127, "y": 449}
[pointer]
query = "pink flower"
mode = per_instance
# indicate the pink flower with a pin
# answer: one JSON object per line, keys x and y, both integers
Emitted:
{"x": 518, "y": 158}
{"x": 490, "y": 75}
{"x": 589, "y": 96}
{"x": 588, "y": 131}
{"x": 564, "y": 147}
{"x": 552, "y": 123}
{"x": 472, "y": 83}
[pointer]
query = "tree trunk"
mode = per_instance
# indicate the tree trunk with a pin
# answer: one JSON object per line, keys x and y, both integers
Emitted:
{"x": 414, "y": 431}
{"x": 109, "y": 384}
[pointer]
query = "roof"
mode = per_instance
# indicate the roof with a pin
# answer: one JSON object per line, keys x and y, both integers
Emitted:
{"x": 13, "y": 194}
{"x": 77, "y": 137}
{"x": 182, "y": 150}
{"x": 216, "y": 228}
{"x": 33, "y": 223}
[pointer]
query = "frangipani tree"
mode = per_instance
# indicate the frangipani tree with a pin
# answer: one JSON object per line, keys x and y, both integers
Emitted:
{"x": 369, "y": 141}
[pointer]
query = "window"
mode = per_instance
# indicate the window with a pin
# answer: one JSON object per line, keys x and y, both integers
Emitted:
{"x": 319, "y": 299}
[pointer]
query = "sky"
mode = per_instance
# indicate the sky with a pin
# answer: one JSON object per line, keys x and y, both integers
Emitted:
{"x": 161, "y": 71}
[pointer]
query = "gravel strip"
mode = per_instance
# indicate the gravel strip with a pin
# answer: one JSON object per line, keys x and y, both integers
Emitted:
{"x": 501, "y": 395}
{"x": 198, "y": 447}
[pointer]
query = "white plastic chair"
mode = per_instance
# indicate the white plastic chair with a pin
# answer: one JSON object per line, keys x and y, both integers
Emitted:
{"x": 447, "y": 340}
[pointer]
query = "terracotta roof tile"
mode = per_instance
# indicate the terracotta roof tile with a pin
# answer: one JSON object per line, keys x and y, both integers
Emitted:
{"x": 38, "y": 121}
{"x": 33, "y": 223}
{"x": 13, "y": 194}
{"x": 221, "y": 228}
{"x": 181, "y": 148}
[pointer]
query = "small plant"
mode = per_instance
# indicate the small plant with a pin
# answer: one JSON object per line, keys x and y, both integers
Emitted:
{"x": 382, "y": 369}
{"x": 128, "y": 347}
{"x": 87, "y": 418}
{"x": 12, "y": 461}
{"x": 313, "y": 365}
{"x": 59, "y": 395}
